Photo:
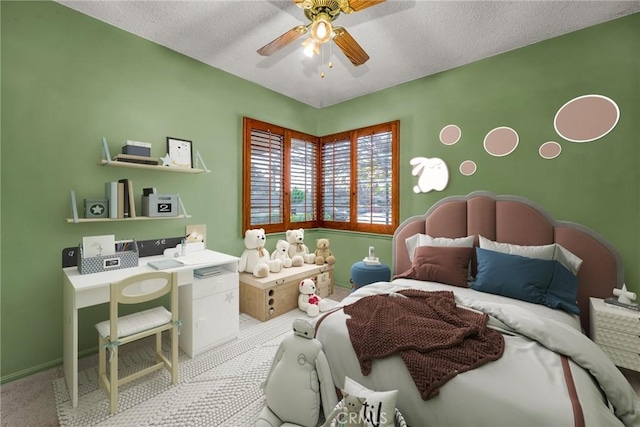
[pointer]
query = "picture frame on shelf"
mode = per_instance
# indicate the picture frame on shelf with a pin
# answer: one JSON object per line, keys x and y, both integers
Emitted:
{"x": 181, "y": 152}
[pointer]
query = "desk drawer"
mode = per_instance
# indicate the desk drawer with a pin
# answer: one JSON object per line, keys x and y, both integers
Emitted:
{"x": 211, "y": 285}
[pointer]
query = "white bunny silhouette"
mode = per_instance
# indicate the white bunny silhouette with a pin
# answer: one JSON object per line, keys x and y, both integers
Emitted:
{"x": 434, "y": 174}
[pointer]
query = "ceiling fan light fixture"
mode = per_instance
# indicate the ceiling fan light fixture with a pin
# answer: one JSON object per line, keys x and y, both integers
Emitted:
{"x": 321, "y": 28}
{"x": 310, "y": 47}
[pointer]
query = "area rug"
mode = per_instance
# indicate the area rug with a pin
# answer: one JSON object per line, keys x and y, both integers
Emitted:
{"x": 218, "y": 388}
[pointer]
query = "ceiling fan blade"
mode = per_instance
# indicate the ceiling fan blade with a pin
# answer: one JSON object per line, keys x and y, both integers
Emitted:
{"x": 304, "y": 4}
{"x": 282, "y": 41}
{"x": 357, "y": 5}
{"x": 350, "y": 47}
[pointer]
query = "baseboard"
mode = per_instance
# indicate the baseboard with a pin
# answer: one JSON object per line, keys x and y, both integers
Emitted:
{"x": 43, "y": 366}
{"x": 30, "y": 371}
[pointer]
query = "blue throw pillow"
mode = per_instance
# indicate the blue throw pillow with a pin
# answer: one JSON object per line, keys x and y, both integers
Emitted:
{"x": 563, "y": 290}
{"x": 533, "y": 280}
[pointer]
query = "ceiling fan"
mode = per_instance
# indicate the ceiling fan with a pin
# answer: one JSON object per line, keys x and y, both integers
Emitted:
{"x": 322, "y": 13}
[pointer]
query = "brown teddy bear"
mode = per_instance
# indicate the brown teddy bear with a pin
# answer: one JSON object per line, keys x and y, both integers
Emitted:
{"x": 323, "y": 253}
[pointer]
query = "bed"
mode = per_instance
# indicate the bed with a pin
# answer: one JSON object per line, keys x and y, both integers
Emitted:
{"x": 547, "y": 372}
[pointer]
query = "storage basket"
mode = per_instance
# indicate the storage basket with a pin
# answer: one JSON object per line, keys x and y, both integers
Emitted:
{"x": 98, "y": 264}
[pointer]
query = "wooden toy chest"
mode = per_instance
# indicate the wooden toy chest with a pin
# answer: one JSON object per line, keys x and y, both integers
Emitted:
{"x": 277, "y": 293}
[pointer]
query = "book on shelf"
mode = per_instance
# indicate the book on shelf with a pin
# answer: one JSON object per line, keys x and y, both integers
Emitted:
{"x": 128, "y": 210}
{"x": 132, "y": 202}
{"x": 111, "y": 194}
{"x": 120, "y": 199}
{"x": 131, "y": 158}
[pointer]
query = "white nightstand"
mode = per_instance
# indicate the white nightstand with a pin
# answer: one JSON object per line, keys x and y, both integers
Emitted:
{"x": 617, "y": 331}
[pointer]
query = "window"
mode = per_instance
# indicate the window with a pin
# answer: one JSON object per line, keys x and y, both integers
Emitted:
{"x": 303, "y": 180}
{"x": 345, "y": 181}
{"x": 279, "y": 178}
{"x": 360, "y": 179}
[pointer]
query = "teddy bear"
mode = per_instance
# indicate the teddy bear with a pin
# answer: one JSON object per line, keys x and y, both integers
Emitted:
{"x": 348, "y": 414}
{"x": 323, "y": 253}
{"x": 255, "y": 258}
{"x": 299, "y": 381}
{"x": 282, "y": 253}
{"x": 308, "y": 301}
{"x": 297, "y": 248}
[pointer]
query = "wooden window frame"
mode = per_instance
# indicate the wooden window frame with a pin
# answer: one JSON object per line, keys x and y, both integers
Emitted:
{"x": 320, "y": 222}
{"x": 353, "y": 224}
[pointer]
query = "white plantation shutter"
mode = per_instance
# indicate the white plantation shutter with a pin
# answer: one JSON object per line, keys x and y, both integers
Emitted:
{"x": 267, "y": 177}
{"x": 336, "y": 180}
{"x": 303, "y": 180}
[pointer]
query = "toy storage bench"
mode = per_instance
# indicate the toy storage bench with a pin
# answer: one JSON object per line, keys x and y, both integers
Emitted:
{"x": 277, "y": 293}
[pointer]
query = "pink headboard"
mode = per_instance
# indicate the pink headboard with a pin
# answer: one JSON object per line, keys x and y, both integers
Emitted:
{"x": 516, "y": 220}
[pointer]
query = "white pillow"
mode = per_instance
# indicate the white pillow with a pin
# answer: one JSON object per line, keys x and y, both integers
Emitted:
{"x": 380, "y": 406}
{"x": 553, "y": 251}
{"x": 419, "y": 239}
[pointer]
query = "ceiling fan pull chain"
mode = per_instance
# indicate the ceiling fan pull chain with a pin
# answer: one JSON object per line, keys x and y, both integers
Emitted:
{"x": 321, "y": 62}
{"x": 330, "y": 62}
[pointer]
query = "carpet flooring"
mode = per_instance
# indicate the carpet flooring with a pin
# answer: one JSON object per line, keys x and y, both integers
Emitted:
{"x": 218, "y": 388}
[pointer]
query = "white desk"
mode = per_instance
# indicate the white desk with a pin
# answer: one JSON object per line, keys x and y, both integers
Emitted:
{"x": 85, "y": 290}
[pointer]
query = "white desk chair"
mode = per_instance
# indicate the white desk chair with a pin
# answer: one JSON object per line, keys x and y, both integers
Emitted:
{"x": 133, "y": 290}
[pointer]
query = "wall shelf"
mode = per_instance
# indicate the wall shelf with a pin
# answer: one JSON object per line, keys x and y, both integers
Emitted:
{"x": 138, "y": 218}
{"x": 116, "y": 163}
{"x": 107, "y": 160}
{"x": 75, "y": 218}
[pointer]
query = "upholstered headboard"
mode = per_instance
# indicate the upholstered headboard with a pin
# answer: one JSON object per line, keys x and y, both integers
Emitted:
{"x": 516, "y": 220}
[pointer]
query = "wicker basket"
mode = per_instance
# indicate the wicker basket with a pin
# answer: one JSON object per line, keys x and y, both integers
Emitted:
{"x": 98, "y": 264}
{"x": 398, "y": 419}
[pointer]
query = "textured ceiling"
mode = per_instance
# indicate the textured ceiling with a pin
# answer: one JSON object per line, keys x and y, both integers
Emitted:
{"x": 406, "y": 39}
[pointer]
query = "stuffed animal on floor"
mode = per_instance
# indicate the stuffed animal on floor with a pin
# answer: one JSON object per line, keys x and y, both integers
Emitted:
{"x": 348, "y": 415}
{"x": 323, "y": 253}
{"x": 255, "y": 258}
{"x": 308, "y": 301}
{"x": 297, "y": 248}
{"x": 299, "y": 381}
{"x": 282, "y": 253}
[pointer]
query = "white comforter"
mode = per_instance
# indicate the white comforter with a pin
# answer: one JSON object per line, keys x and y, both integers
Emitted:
{"x": 525, "y": 387}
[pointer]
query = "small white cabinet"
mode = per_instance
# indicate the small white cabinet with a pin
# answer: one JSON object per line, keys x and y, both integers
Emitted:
{"x": 210, "y": 311}
{"x": 617, "y": 331}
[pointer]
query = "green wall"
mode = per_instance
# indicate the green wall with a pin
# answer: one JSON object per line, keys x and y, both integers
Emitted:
{"x": 596, "y": 184}
{"x": 68, "y": 80}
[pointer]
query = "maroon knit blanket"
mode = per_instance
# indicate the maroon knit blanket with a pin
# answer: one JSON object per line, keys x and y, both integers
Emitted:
{"x": 436, "y": 339}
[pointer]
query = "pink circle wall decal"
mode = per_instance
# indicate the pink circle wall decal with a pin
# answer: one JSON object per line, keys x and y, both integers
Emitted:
{"x": 468, "y": 167}
{"x": 501, "y": 141}
{"x": 550, "y": 150}
{"x": 586, "y": 118}
{"x": 450, "y": 134}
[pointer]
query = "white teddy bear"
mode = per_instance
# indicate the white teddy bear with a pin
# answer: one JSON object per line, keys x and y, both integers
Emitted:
{"x": 297, "y": 248}
{"x": 255, "y": 258}
{"x": 282, "y": 253}
{"x": 299, "y": 381}
{"x": 308, "y": 301}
